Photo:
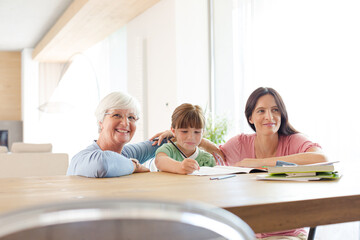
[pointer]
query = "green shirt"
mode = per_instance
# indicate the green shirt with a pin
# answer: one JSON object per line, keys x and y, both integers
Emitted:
{"x": 203, "y": 158}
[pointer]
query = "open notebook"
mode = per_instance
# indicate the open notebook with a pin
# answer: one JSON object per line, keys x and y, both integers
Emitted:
{"x": 223, "y": 170}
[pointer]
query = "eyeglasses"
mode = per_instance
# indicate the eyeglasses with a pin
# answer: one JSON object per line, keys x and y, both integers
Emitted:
{"x": 130, "y": 117}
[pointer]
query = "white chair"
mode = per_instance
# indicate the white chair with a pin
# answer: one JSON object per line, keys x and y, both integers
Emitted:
{"x": 3, "y": 149}
{"x": 20, "y": 147}
{"x": 123, "y": 219}
{"x": 26, "y": 160}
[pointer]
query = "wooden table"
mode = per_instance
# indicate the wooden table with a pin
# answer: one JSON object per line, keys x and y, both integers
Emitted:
{"x": 265, "y": 205}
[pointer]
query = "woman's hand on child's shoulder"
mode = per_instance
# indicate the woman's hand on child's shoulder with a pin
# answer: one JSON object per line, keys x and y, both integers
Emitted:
{"x": 189, "y": 166}
{"x": 159, "y": 137}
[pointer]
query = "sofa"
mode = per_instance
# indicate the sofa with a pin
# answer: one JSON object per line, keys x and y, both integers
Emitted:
{"x": 25, "y": 160}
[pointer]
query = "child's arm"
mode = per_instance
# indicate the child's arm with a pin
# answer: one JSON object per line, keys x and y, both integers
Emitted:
{"x": 164, "y": 163}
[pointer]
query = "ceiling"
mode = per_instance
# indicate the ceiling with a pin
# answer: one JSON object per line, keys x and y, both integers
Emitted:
{"x": 58, "y": 29}
{"x": 23, "y": 23}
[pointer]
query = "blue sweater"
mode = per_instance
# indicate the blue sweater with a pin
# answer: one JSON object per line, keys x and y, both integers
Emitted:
{"x": 94, "y": 162}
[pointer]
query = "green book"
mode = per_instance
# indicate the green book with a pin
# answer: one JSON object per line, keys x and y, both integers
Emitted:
{"x": 302, "y": 169}
{"x": 299, "y": 177}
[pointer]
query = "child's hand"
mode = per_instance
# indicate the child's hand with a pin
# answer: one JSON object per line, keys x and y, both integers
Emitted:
{"x": 189, "y": 166}
{"x": 141, "y": 169}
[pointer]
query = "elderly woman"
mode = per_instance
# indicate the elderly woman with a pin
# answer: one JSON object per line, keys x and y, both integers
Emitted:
{"x": 110, "y": 155}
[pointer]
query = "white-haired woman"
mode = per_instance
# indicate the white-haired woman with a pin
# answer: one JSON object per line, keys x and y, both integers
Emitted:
{"x": 110, "y": 155}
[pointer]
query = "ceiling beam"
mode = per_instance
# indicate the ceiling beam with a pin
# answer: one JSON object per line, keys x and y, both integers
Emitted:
{"x": 85, "y": 23}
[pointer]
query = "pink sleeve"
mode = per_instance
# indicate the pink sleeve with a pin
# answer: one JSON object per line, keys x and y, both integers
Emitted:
{"x": 298, "y": 143}
{"x": 231, "y": 150}
{"x": 239, "y": 147}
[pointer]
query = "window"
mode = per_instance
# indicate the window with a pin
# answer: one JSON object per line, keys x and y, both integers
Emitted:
{"x": 307, "y": 50}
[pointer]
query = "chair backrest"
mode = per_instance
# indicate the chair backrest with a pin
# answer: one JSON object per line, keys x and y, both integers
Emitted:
{"x": 20, "y": 147}
{"x": 31, "y": 159}
{"x": 3, "y": 149}
{"x": 123, "y": 219}
{"x": 33, "y": 164}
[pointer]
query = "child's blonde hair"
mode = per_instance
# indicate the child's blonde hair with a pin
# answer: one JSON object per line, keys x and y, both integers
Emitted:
{"x": 188, "y": 115}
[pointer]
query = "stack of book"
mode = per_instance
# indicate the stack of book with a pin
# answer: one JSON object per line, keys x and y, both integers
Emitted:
{"x": 309, "y": 172}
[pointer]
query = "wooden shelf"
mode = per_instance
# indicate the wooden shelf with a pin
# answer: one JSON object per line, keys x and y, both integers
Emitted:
{"x": 10, "y": 86}
{"x": 83, "y": 24}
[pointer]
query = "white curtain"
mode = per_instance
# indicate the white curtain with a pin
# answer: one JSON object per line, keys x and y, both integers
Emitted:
{"x": 74, "y": 94}
{"x": 309, "y": 52}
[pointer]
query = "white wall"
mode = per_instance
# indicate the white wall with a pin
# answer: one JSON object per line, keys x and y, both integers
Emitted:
{"x": 118, "y": 60}
{"x": 160, "y": 57}
{"x": 151, "y": 66}
{"x": 192, "y": 52}
{"x": 29, "y": 95}
{"x": 168, "y": 64}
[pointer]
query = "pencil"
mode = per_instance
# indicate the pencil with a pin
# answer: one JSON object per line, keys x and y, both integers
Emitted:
{"x": 177, "y": 148}
{"x": 222, "y": 177}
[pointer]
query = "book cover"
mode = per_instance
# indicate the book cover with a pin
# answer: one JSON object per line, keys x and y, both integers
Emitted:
{"x": 301, "y": 169}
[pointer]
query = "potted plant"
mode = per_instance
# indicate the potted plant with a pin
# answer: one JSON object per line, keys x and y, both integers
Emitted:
{"x": 216, "y": 129}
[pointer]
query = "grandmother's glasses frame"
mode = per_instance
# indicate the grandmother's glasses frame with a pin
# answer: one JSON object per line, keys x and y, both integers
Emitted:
{"x": 132, "y": 118}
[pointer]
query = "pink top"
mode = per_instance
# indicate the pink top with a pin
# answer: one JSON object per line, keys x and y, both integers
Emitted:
{"x": 242, "y": 146}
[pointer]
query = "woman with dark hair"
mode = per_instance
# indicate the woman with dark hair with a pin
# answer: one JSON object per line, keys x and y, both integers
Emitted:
{"x": 285, "y": 127}
{"x": 274, "y": 140}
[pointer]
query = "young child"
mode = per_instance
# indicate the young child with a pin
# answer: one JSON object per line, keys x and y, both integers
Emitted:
{"x": 187, "y": 125}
